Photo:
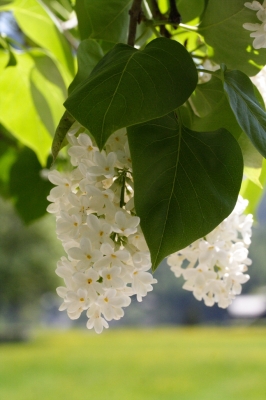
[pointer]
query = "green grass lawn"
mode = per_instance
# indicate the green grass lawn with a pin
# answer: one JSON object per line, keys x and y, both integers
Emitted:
{"x": 155, "y": 364}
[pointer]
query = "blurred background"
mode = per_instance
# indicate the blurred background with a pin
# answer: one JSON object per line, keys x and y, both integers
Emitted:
{"x": 169, "y": 346}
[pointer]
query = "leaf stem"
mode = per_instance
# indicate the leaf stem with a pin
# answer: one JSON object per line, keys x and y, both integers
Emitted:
{"x": 135, "y": 18}
{"x": 189, "y": 27}
{"x": 206, "y": 70}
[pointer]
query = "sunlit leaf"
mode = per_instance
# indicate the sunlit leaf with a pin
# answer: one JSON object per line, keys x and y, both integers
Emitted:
{"x": 18, "y": 112}
{"x": 36, "y": 21}
{"x": 252, "y": 159}
{"x": 252, "y": 192}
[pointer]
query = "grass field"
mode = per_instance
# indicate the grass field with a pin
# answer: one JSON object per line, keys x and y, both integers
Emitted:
{"x": 156, "y": 364}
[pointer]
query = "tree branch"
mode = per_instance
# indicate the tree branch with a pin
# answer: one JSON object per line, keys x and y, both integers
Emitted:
{"x": 174, "y": 15}
{"x": 157, "y": 15}
{"x": 135, "y": 18}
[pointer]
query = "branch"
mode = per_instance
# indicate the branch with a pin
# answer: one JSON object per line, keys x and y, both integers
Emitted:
{"x": 135, "y": 18}
{"x": 159, "y": 16}
{"x": 174, "y": 15}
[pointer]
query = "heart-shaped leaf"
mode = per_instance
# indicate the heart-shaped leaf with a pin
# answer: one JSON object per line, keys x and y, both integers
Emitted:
{"x": 185, "y": 182}
{"x": 130, "y": 86}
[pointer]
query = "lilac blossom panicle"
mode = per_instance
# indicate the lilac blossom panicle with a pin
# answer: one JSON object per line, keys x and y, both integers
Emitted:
{"x": 214, "y": 267}
{"x": 258, "y": 29}
{"x": 107, "y": 260}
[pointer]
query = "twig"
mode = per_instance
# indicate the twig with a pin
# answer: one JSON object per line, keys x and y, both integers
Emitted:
{"x": 157, "y": 15}
{"x": 135, "y": 18}
{"x": 174, "y": 15}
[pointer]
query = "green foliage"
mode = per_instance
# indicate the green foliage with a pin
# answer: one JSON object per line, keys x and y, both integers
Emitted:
{"x": 37, "y": 23}
{"x": 25, "y": 127}
{"x": 119, "y": 86}
{"x": 27, "y": 187}
{"x": 211, "y": 109}
{"x": 122, "y": 86}
{"x": 104, "y": 19}
{"x": 190, "y": 9}
{"x": 89, "y": 53}
{"x": 249, "y": 114}
{"x": 183, "y": 199}
{"x": 222, "y": 29}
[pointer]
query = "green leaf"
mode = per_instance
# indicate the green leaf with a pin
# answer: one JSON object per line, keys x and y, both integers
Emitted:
{"x": 8, "y": 155}
{"x": 11, "y": 58}
{"x": 39, "y": 25}
{"x": 83, "y": 26}
{"x": 27, "y": 187}
{"x": 129, "y": 86}
{"x": 252, "y": 192}
{"x": 18, "y": 112}
{"x": 211, "y": 109}
{"x": 108, "y": 19}
{"x": 252, "y": 159}
{"x": 89, "y": 54}
{"x": 190, "y": 9}
{"x": 248, "y": 112}
{"x": 222, "y": 29}
{"x": 48, "y": 90}
{"x": 63, "y": 127}
{"x": 4, "y": 57}
{"x": 185, "y": 182}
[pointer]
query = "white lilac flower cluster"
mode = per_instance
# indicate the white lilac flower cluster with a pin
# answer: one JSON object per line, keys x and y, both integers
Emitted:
{"x": 259, "y": 29}
{"x": 213, "y": 267}
{"x": 107, "y": 256}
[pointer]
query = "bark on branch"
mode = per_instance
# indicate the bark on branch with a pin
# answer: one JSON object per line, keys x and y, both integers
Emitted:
{"x": 135, "y": 18}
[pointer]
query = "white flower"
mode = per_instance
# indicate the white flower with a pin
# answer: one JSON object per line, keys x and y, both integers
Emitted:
{"x": 98, "y": 230}
{"x": 216, "y": 264}
{"x": 111, "y": 277}
{"x": 111, "y": 304}
{"x": 259, "y": 30}
{"x": 107, "y": 256}
{"x": 125, "y": 224}
{"x": 96, "y": 321}
{"x": 104, "y": 165}
{"x": 68, "y": 225}
{"x": 112, "y": 257}
{"x": 63, "y": 185}
{"x": 89, "y": 280}
{"x": 142, "y": 282}
{"x": 83, "y": 150}
{"x": 86, "y": 254}
{"x": 77, "y": 300}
